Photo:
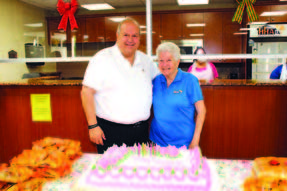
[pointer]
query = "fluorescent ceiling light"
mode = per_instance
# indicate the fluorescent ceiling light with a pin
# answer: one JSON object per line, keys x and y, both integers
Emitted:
{"x": 240, "y": 33}
{"x": 144, "y": 32}
{"x": 258, "y": 23}
{"x": 192, "y": 2}
{"x": 34, "y": 25}
{"x": 117, "y": 19}
{"x": 195, "y": 25}
{"x": 245, "y": 29}
{"x": 273, "y": 13}
{"x": 100, "y": 6}
{"x": 196, "y": 34}
{"x": 59, "y": 36}
{"x": 35, "y": 34}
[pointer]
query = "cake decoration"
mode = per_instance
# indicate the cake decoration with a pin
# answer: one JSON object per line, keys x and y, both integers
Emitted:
{"x": 274, "y": 163}
{"x": 147, "y": 167}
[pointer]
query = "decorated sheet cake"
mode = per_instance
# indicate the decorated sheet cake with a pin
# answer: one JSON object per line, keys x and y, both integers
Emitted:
{"x": 147, "y": 168}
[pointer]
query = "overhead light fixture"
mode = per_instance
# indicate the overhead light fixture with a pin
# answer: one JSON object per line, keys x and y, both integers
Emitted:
{"x": 245, "y": 29}
{"x": 195, "y": 25}
{"x": 257, "y": 23}
{"x": 100, "y": 6}
{"x": 240, "y": 33}
{"x": 35, "y": 34}
{"x": 144, "y": 32}
{"x": 192, "y": 2}
{"x": 273, "y": 13}
{"x": 196, "y": 34}
{"x": 34, "y": 25}
{"x": 117, "y": 19}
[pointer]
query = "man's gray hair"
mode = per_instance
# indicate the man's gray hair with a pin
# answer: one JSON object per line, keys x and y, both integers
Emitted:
{"x": 128, "y": 19}
{"x": 170, "y": 47}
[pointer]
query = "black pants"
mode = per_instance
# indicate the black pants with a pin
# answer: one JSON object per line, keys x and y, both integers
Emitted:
{"x": 120, "y": 134}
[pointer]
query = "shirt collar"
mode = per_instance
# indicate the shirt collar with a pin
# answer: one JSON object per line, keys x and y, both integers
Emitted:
{"x": 118, "y": 53}
{"x": 177, "y": 78}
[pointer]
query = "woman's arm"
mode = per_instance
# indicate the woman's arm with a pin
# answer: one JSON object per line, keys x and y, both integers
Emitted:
{"x": 214, "y": 70}
{"x": 201, "y": 111}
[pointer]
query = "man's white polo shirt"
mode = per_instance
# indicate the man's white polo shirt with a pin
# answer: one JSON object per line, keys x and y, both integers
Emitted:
{"x": 123, "y": 92}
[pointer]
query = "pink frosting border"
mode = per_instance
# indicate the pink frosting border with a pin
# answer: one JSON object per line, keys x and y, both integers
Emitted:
{"x": 205, "y": 173}
{"x": 128, "y": 173}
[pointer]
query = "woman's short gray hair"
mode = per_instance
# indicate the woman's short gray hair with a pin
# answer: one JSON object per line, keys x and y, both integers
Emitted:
{"x": 128, "y": 19}
{"x": 170, "y": 47}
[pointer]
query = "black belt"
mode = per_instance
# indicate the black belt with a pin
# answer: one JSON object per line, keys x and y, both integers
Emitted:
{"x": 110, "y": 123}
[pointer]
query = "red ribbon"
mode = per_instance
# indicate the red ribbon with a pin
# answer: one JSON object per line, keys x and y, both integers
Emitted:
{"x": 67, "y": 11}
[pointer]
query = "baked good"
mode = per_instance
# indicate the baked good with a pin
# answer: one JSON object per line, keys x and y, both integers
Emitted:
{"x": 50, "y": 158}
{"x": 70, "y": 148}
{"x": 147, "y": 168}
{"x": 275, "y": 167}
{"x": 268, "y": 173}
{"x": 4, "y": 186}
{"x": 14, "y": 174}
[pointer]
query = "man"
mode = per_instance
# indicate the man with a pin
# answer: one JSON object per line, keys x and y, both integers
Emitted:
{"x": 280, "y": 72}
{"x": 117, "y": 91}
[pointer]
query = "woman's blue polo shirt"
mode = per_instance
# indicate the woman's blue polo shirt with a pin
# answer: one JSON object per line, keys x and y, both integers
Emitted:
{"x": 173, "y": 106}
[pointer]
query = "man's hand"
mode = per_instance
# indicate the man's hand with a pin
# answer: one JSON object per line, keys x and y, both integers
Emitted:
{"x": 97, "y": 135}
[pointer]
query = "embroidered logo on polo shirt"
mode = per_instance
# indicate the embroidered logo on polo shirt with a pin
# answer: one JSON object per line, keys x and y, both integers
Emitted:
{"x": 177, "y": 92}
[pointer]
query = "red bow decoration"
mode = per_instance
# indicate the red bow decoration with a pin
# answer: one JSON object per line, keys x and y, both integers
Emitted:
{"x": 67, "y": 11}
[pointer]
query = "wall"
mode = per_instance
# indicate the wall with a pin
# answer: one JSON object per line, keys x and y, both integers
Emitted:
{"x": 13, "y": 35}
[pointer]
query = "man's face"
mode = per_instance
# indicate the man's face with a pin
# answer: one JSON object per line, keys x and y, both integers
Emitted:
{"x": 129, "y": 39}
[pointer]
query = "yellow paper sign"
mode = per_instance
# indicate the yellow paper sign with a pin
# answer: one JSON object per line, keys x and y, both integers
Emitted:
{"x": 41, "y": 107}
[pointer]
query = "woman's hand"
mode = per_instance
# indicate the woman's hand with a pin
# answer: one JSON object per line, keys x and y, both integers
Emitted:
{"x": 194, "y": 143}
{"x": 97, "y": 135}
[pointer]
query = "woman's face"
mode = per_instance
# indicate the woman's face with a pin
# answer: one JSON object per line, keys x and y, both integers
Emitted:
{"x": 201, "y": 60}
{"x": 200, "y": 51}
{"x": 167, "y": 64}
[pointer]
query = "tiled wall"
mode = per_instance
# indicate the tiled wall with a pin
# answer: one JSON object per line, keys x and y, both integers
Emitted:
{"x": 261, "y": 68}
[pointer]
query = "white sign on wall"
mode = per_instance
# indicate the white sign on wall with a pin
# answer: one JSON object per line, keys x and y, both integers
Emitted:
{"x": 268, "y": 30}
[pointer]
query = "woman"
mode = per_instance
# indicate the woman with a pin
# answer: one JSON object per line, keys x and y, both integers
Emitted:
{"x": 176, "y": 97}
{"x": 202, "y": 69}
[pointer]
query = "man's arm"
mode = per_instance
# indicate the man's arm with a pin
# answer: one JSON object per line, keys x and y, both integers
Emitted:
{"x": 201, "y": 111}
{"x": 88, "y": 103}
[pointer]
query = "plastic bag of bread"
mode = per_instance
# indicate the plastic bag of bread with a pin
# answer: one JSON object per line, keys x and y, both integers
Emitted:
{"x": 14, "y": 174}
{"x": 70, "y": 147}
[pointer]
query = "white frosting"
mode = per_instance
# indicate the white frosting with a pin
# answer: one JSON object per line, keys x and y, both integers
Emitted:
{"x": 152, "y": 173}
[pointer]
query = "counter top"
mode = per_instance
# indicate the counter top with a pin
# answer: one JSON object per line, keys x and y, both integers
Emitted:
{"x": 220, "y": 82}
{"x": 42, "y": 82}
{"x": 228, "y": 82}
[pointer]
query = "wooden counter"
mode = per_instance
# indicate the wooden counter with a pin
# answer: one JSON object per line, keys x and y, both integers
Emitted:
{"x": 245, "y": 119}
